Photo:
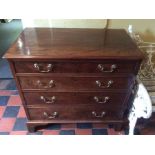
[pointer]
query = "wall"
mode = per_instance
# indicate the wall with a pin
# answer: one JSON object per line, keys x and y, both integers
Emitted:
{"x": 144, "y": 27}
{"x": 65, "y": 23}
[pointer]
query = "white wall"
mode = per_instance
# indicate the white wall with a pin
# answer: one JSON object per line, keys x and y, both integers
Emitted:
{"x": 65, "y": 23}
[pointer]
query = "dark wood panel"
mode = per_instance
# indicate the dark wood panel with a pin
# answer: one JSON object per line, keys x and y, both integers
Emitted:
{"x": 58, "y": 43}
{"x": 103, "y": 67}
{"x": 75, "y": 83}
{"x": 18, "y": 87}
{"x": 67, "y": 112}
{"x": 94, "y": 98}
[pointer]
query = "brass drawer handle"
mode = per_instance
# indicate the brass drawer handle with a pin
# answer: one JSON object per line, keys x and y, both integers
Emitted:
{"x": 48, "y": 99}
{"x": 99, "y": 83}
{"x": 101, "y": 100}
{"x": 102, "y": 69}
{"x": 39, "y": 67}
{"x": 98, "y": 116}
{"x": 50, "y": 116}
{"x": 43, "y": 85}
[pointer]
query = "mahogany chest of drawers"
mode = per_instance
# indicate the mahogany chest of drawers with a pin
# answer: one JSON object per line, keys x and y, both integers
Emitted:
{"x": 75, "y": 75}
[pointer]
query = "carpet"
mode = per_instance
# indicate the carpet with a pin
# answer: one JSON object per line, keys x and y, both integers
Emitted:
{"x": 7, "y": 84}
{"x": 5, "y": 72}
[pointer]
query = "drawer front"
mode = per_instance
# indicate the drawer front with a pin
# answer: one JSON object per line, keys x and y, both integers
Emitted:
{"x": 88, "y": 112}
{"x": 94, "y": 98}
{"x": 105, "y": 66}
{"x": 62, "y": 84}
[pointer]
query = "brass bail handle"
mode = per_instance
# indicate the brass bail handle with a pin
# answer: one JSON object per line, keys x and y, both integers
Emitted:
{"x": 50, "y": 84}
{"x": 97, "y": 115}
{"x": 48, "y": 99}
{"x": 46, "y": 69}
{"x": 50, "y": 116}
{"x": 101, "y": 100}
{"x": 101, "y": 85}
{"x": 102, "y": 68}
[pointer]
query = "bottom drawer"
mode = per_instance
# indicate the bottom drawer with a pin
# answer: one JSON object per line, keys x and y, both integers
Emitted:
{"x": 83, "y": 112}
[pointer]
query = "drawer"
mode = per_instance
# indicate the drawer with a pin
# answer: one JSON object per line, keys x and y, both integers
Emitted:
{"x": 94, "y": 98}
{"x": 85, "y": 112}
{"x": 104, "y": 66}
{"x": 66, "y": 84}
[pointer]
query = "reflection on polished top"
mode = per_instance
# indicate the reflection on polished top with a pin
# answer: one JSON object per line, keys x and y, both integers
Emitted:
{"x": 73, "y": 44}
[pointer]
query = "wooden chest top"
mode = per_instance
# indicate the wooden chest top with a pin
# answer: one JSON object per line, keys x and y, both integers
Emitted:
{"x": 60, "y": 43}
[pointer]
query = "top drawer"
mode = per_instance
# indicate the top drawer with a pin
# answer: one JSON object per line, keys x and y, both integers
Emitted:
{"x": 101, "y": 66}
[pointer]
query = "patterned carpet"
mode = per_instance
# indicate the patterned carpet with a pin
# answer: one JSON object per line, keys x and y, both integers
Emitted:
{"x": 13, "y": 119}
{"x": 5, "y": 72}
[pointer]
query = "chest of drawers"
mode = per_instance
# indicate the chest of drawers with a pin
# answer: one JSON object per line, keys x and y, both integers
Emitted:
{"x": 74, "y": 75}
